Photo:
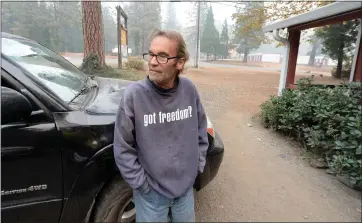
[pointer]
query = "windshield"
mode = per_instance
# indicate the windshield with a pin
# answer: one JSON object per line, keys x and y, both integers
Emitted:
{"x": 58, "y": 74}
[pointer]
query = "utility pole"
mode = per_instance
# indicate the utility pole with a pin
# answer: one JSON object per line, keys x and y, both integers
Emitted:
{"x": 198, "y": 36}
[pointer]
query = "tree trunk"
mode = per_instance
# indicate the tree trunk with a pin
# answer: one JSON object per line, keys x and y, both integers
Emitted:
{"x": 312, "y": 55}
{"x": 340, "y": 61}
{"x": 143, "y": 42}
{"x": 245, "y": 60}
{"x": 56, "y": 28}
{"x": 137, "y": 40}
{"x": 93, "y": 30}
{"x": 339, "y": 66}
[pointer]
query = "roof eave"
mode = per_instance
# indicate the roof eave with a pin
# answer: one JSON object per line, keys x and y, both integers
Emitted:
{"x": 317, "y": 14}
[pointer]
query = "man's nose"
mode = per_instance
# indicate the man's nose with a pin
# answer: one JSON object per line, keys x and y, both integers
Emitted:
{"x": 153, "y": 61}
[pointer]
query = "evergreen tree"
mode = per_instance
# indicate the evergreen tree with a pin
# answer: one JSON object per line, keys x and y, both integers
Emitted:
{"x": 171, "y": 17}
{"x": 110, "y": 29}
{"x": 191, "y": 29}
{"x": 224, "y": 40}
{"x": 210, "y": 36}
{"x": 143, "y": 19}
{"x": 93, "y": 36}
{"x": 57, "y": 25}
{"x": 248, "y": 31}
{"x": 338, "y": 42}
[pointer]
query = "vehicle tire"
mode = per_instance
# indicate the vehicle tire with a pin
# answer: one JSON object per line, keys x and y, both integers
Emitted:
{"x": 115, "y": 203}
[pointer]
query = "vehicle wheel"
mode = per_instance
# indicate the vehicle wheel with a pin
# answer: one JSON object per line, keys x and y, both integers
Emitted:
{"x": 115, "y": 203}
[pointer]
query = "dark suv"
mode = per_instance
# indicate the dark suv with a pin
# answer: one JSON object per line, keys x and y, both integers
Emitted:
{"x": 57, "y": 124}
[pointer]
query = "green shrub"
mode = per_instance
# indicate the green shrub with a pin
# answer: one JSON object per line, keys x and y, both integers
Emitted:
{"x": 135, "y": 63}
{"x": 326, "y": 120}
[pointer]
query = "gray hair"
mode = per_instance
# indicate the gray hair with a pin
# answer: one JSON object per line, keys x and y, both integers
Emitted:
{"x": 176, "y": 36}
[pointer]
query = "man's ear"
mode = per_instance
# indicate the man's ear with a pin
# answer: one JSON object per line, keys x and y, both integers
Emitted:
{"x": 180, "y": 64}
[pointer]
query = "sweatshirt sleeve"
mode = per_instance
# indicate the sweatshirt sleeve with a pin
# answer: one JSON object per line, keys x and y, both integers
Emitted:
{"x": 125, "y": 153}
{"x": 203, "y": 139}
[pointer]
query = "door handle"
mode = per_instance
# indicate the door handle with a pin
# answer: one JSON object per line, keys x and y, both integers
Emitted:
{"x": 16, "y": 150}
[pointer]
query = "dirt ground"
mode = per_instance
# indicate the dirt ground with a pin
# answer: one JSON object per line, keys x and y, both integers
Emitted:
{"x": 262, "y": 177}
{"x": 325, "y": 70}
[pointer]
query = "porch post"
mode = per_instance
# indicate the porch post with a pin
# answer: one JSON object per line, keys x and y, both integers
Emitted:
{"x": 356, "y": 71}
{"x": 283, "y": 73}
{"x": 293, "y": 37}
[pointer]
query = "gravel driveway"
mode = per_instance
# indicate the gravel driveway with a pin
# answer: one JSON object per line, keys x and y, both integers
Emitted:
{"x": 262, "y": 177}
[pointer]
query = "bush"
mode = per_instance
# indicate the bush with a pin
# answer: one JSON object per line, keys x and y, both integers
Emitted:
{"x": 326, "y": 120}
{"x": 135, "y": 63}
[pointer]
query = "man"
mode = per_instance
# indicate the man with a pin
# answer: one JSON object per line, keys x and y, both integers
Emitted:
{"x": 160, "y": 137}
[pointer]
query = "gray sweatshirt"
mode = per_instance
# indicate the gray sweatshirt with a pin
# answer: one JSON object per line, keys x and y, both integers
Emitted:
{"x": 160, "y": 137}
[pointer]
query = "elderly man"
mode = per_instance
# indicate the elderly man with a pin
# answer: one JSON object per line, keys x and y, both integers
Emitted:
{"x": 160, "y": 139}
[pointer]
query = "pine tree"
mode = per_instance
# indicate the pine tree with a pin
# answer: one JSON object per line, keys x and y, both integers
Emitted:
{"x": 93, "y": 30}
{"x": 248, "y": 31}
{"x": 171, "y": 17}
{"x": 110, "y": 29}
{"x": 191, "y": 29}
{"x": 210, "y": 36}
{"x": 143, "y": 19}
{"x": 338, "y": 42}
{"x": 224, "y": 40}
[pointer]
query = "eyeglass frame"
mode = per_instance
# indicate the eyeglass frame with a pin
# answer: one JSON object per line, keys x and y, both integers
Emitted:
{"x": 155, "y": 55}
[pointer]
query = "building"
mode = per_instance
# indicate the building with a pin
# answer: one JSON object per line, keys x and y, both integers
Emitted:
{"x": 330, "y": 14}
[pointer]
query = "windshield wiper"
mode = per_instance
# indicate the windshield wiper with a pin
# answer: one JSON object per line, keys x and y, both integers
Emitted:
{"x": 84, "y": 89}
{"x": 32, "y": 55}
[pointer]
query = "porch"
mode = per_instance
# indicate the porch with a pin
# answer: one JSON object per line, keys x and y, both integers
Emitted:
{"x": 327, "y": 15}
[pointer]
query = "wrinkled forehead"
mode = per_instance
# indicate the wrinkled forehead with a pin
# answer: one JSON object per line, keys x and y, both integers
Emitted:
{"x": 162, "y": 45}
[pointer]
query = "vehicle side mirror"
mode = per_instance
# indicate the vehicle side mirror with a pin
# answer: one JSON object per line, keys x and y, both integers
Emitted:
{"x": 14, "y": 106}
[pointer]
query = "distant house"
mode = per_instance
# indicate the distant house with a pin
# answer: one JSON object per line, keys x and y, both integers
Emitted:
{"x": 320, "y": 60}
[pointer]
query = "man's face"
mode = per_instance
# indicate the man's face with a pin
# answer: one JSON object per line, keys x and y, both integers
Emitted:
{"x": 164, "y": 74}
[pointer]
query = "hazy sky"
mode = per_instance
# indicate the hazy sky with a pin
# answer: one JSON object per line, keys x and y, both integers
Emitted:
{"x": 221, "y": 10}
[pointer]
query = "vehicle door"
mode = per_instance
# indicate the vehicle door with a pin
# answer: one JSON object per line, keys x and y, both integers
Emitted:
{"x": 31, "y": 167}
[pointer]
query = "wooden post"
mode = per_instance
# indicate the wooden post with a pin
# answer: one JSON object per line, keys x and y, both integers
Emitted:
{"x": 358, "y": 70}
{"x": 294, "y": 37}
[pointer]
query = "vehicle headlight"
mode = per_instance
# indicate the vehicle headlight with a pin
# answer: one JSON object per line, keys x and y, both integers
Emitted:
{"x": 210, "y": 127}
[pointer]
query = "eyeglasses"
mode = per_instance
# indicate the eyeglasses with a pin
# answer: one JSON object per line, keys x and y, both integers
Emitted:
{"x": 159, "y": 59}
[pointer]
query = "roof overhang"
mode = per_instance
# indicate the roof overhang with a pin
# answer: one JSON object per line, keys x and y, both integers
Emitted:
{"x": 332, "y": 13}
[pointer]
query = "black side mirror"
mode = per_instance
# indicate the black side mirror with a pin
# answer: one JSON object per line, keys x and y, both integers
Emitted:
{"x": 14, "y": 106}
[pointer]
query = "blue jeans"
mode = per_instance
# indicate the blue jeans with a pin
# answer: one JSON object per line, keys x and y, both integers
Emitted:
{"x": 154, "y": 207}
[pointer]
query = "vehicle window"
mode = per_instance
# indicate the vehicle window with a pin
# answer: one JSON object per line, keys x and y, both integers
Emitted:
{"x": 52, "y": 70}
{"x": 5, "y": 83}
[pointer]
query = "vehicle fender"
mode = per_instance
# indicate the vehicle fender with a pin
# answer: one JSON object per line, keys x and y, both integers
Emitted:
{"x": 98, "y": 171}
{"x": 213, "y": 161}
